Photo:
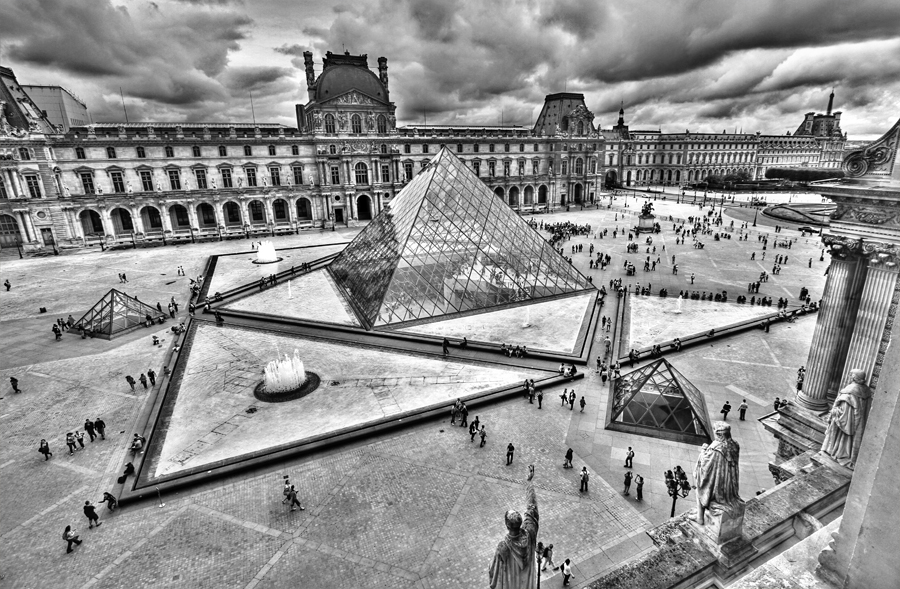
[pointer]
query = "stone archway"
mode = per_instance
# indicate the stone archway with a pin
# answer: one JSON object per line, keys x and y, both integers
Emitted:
{"x": 514, "y": 196}
{"x": 611, "y": 180}
{"x": 232, "y": 214}
{"x": 542, "y": 194}
{"x": 206, "y": 216}
{"x": 178, "y": 217}
{"x": 578, "y": 193}
{"x": 500, "y": 192}
{"x": 91, "y": 223}
{"x": 304, "y": 209}
{"x": 364, "y": 207}
{"x": 151, "y": 219}
{"x": 121, "y": 221}
{"x": 528, "y": 196}
{"x": 9, "y": 231}
{"x": 280, "y": 211}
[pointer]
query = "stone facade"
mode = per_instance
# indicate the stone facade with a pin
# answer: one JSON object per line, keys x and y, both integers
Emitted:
{"x": 127, "y": 184}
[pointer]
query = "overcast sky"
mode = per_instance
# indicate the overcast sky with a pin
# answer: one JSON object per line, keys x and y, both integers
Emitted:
{"x": 703, "y": 65}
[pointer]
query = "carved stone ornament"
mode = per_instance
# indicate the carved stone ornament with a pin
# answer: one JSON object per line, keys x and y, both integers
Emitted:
{"x": 876, "y": 158}
{"x": 842, "y": 247}
{"x": 874, "y": 216}
{"x": 882, "y": 254}
{"x": 353, "y": 97}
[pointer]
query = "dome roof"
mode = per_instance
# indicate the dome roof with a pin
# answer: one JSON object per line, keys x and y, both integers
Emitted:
{"x": 338, "y": 79}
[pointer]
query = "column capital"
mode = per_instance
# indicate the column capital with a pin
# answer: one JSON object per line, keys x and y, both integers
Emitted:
{"x": 842, "y": 247}
{"x": 882, "y": 255}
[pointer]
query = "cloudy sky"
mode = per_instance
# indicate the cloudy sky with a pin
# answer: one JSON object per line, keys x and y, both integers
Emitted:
{"x": 703, "y": 65}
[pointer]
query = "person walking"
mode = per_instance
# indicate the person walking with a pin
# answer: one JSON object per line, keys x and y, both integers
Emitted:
{"x": 567, "y": 462}
{"x": 152, "y": 376}
{"x": 566, "y": 572}
{"x": 130, "y": 380}
{"x": 582, "y": 402}
{"x": 15, "y": 384}
{"x": 293, "y": 501}
{"x": 585, "y": 477}
{"x": 509, "y": 453}
{"x": 473, "y": 431}
{"x": 565, "y": 397}
{"x": 7, "y": 285}
{"x": 44, "y": 448}
{"x": 464, "y": 415}
{"x": 91, "y": 514}
{"x": 572, "y": 400}
{"x": 742, "y": 409}
{"x": 629, "y": 456}
{"x": 725, "y": 409}
{"x": 100, "y": 426}
{"x": 639, "y": 487}
{"x": 143, "y": 380}
{"x": 483, "y": 435}
{"x": 89, "y": 428}
{"x": 446, "y": 346}
{"x": 70, "y": 442}
{"x": 71, "y": 537}
{"x": 79, "y": 437}
{"x": 627, "y": 482}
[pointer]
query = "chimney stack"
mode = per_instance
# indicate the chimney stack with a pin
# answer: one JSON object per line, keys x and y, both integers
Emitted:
{"x": 830, "y": 102}
{"x": 310, "y": 74}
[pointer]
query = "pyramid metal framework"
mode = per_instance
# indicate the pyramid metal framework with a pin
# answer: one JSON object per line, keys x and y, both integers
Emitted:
{"x": 116, "y": 313}
{"x": 446, "y": 245}
{"x": 658, "y": 401}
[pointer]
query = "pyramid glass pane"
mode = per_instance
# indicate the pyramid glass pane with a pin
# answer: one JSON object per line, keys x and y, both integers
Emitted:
{"x": 445, "y": 245}
{"x": 658, "y": 397}
{"x": 116, "y": 312}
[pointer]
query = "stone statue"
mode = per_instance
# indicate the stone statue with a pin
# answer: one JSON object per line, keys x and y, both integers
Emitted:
{"x": 129, "y": 188}
{"x": 370, "y": 120}
{"x": 317, "y": 120}
{"x": 647, "y": 209}
{"x": 514, "y": 565}
{"x": 392, "y": 121}
{"x": 215, "y": 187}
{"x": 716, "y": 473}
{"x": 847, "y": 419}
{"x": 66, "y": 189}
{"x": 342, "y": 120}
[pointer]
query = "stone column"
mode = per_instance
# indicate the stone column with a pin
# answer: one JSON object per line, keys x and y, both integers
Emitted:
{"x": 874, "y": 307}
{"x": 834, "y": 326}
{"x": 165, "y": 218}
{"x": 136, "y": 220}
{"x": 108, "y": 228}
{"x": 192, "y": 214}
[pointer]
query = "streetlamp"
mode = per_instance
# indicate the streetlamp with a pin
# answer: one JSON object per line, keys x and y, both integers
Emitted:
{"x": 756, "y": 214}
{"x": 678, "y": 486}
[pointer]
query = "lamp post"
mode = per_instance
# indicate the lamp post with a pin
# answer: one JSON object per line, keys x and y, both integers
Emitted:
{"x": 677, "y": 485}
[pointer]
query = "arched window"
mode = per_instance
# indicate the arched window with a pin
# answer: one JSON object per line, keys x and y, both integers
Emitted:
{"x": 79, "y": 152}
{"x": 332, "y": 149}
{"x": 581, "y": 127}
{"x": 110, "y": 153}
{"x": 271, "y": 150}
{"x": 356, "y": 124}
{"x": 169, "y": 151}
{"x": 223, "y": 151}
{"x": 248, "y": 151}
{"x": 382, "y": 124}
{"x": 383, "y": 148}
{"x": 407, "y": 148}
{"x": 295, "y": 150}
{"x": 329, "y": 123}
{"x": 362, "y": 173}
{"x": 579, "y": 166}
{"x": 459, "y": 148}
{"x": 196, "y": 150}
{"x": 24, "y": 153}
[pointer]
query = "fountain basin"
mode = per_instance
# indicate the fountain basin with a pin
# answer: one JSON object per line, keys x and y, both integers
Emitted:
{"x": 266, "y": 253}
{"x": 311, "y": 383}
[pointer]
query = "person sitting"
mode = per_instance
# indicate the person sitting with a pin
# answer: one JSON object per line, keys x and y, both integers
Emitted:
{"x": 137, "y": 444}
{"x": 129, "y": 470}
{"x": 464, "y": 343}
{"x": 155, "y": 340}
{"x": 562, "y": 369}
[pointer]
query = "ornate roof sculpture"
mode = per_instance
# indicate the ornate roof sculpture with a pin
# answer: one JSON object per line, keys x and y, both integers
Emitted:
{"x": 116, "y": 313}
{"x": 658, "y": 401}
{"x": 446, "y": 245}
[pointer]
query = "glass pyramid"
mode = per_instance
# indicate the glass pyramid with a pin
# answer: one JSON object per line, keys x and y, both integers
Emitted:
{"x": 116, "y": 313}
{"x": 447, "y": 244}
{"x": 659, "y": 401}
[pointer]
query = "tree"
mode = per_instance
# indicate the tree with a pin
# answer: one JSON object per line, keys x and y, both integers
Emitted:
{"x": 803, "y": 174}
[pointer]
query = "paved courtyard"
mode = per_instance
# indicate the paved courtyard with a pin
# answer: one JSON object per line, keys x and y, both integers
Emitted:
{"x": 416, "y": 507}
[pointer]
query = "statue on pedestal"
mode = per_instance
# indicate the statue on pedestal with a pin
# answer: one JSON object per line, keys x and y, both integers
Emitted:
{"x": 716, "y": 473}
{"x": 847, "y": 420}
{"x": 514, "y": 565}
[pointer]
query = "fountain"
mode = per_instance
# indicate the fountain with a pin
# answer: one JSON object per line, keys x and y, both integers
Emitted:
{"x": 678, "y": 304}
{"x": 265, "y": 254}
{"x": 286, "y": 379}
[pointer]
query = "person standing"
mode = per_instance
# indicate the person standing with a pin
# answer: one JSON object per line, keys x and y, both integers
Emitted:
{"x": 89, "y": 428}
{"x": 567, "y": 463}
{"x": 483, "y": 435}
{"x": 629, "y": 456}
{"x": 15, "y": 384}
{"x": 70, "y": 536}
{"x": 639, "y": 487}
{"x": 152, "y": 376}
{"x": 44, "y": 448}
{"x": 7, "y": 285}
{"x": 585, "y": 477}
{"x": 91, "y": 514}
{"x": 100, "y": 426}
{"x": 725, "y": 409}
{"x": 742, "y": 409}
{"x": 446, "y": 345}
{"x": 627, "y": 482}
{"x": 509, "y": 453}
{"x": 572, "y": 400}
{"x": 540, "y": 398}
{"x": 464, "y": 415}
{"x": 582, "y": 402}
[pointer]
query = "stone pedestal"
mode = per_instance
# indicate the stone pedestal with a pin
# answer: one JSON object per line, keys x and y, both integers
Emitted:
{"x": 722, "y": 534}
{"x": 646, "y": 224}
{"x": 834, "y": 327}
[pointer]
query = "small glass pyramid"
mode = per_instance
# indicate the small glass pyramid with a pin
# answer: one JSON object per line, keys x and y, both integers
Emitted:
{"x": 115, "y": 314}
{"x": 658, "y": 401}
{"x": 447, "y": 244}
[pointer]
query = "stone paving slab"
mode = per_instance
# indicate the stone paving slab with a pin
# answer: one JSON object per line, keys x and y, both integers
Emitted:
{"x": 549, "y": 325}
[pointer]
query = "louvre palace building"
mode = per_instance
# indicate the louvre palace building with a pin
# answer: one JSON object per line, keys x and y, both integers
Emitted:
{"x": 65, "y": 184}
